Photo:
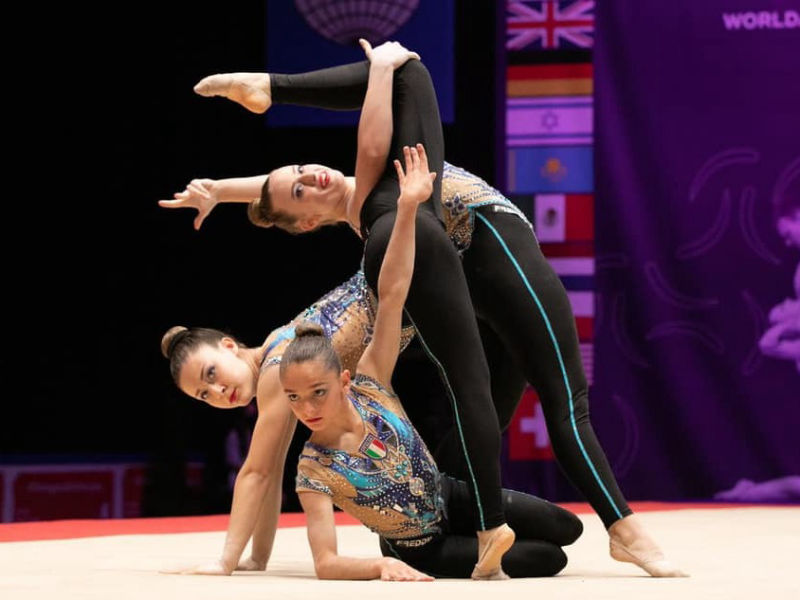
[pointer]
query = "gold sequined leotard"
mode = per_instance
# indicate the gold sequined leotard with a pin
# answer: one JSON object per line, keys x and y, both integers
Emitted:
{"x": 462, "y": 194}
{"x": 347, "y": 313}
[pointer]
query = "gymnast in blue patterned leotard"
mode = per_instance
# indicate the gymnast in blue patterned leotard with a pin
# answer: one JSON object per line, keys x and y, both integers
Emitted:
{"x": 365, "y": 456}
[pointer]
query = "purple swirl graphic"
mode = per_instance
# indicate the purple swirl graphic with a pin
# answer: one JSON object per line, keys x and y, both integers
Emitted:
{"x": 612, "y": 260}
{"x": 667, "y": 293}
{"x": 619, "y": 330}
{"x": 748, "y": 225}
{"x": 754, "y": 357}
{"x": 711, "y": 237}
{"x": 726, "y": 158}
{"x": 344, "y": 21}
{"x": 785, "y": 179}
{"x": 690, "y": 329}
{"x": 625, "y": 460}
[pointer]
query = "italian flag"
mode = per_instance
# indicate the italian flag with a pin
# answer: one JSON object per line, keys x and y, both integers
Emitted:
{"x": 376, "y": 449}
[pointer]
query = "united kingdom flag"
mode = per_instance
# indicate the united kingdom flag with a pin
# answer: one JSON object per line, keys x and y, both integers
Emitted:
{"x": 549, "y": 24}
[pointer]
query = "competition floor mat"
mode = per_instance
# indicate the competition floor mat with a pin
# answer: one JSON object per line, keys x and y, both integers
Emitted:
{"x": 730, "y": 550}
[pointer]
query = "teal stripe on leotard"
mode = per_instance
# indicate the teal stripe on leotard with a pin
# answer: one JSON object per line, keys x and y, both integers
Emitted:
{"x": 560, "y": 360}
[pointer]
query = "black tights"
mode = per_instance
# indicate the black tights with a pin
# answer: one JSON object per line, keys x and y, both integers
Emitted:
{"x": 541, "y": 529}
{"x": 528, "y": 330}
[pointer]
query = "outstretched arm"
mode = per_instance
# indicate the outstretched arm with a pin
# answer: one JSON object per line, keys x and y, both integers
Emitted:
{"x": 267, "y": 523}
{"x": 328, "y": 564}
{"x": 204, "y": 194}
{"x": 261, "y": 470}
{"x": 259, "y": 474}
{"x": 397, "y": 268}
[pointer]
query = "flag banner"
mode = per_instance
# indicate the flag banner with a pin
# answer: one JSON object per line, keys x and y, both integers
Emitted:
{"x": 697, "y": 385}
{"x": 528, "y": 439}
{"x": 549, "y": 121}
{"x": 587, "y": 357}
{"x": 549, "y": 24}
{"x": 564, "y": 218}
{"x": 568, "y": 249}
{"x": 585, "y": 326}
{"x": 573, "y": 267}
{"x": 570, "y": 79}
{"x": 582, "y": 303}
{"x": 550, "y": 169}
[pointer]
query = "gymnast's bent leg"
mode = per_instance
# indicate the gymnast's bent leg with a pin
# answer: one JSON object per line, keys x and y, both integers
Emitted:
{"x": 542, "y": 528}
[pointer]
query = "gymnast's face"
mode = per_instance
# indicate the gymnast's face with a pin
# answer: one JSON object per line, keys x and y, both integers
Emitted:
{"x": 316, "y": 393}
{"x": 310, "y": 193}
{"x": 789, "y": 229}
{"x": 218, "y": 376}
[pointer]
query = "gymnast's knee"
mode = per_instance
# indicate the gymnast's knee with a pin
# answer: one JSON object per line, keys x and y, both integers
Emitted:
{"x": 556, "y": 563}
{"x": 571, "y": 528}
{"x": 541, "y": 562}
{"x": 413, "y": 72}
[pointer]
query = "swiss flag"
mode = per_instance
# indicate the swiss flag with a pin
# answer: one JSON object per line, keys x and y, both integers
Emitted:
{"x": 528, "y": 439}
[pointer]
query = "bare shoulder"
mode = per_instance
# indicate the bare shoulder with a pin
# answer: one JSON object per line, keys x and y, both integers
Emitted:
{"x": 269, "y": 394}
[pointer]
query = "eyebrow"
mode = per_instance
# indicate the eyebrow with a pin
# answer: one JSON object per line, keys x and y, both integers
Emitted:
{"x": 317, "y": 384}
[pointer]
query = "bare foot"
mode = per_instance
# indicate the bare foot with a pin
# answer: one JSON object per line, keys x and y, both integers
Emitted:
{"x": 629, "y": 542}
{"x": 251, "y": 90}
{"x": 492, "y": 545}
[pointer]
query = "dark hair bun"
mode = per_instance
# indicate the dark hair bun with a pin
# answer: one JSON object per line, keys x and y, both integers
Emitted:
{"x": 254, "y": 214}
{"x": 308, "y": 329}
{"x": 171, "y": 338}
{"x": 255, "y": 210}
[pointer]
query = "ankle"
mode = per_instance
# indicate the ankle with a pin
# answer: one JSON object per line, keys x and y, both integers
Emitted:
{"x": 627, "y": 530}
{"x": 487, "y": 534}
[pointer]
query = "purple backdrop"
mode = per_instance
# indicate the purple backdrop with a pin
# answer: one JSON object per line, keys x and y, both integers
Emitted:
{"x": 697, "y": 137}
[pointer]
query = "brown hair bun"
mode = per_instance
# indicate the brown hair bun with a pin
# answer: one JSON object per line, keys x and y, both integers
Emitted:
{"x": 171, "y": 338}
{"x": 255, "y": 214}
{"x": 308, "y": 329}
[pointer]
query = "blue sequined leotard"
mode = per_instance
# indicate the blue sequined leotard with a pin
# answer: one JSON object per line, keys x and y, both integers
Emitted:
{"x": 391, "y": 483}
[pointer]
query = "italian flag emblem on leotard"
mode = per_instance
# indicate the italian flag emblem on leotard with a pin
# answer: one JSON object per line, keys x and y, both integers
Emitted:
{"x": 373, "y": 447}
